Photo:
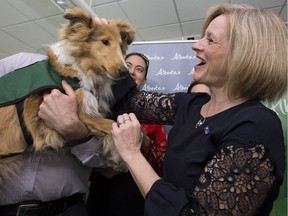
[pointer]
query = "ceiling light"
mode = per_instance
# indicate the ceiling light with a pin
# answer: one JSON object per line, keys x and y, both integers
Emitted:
{"x": 65, "y": 5}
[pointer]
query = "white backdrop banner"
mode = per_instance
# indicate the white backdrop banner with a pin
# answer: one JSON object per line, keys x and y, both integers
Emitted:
{"x": 171, "y": 64}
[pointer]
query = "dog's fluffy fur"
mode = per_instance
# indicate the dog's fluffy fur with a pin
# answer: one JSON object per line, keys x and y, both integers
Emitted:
{"x": 93, "y": 53}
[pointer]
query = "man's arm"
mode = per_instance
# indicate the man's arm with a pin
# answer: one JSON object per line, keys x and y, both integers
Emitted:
{"x": 19, "y": 60}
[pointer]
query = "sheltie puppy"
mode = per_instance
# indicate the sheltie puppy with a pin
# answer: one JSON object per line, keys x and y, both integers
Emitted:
{"x": 91, "y": 53}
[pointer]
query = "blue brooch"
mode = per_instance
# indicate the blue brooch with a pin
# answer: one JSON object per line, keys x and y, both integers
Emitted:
{"x": 206, "y": 130}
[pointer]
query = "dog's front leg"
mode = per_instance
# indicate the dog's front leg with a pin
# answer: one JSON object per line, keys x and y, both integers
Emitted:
{"x": 101, "y": 128}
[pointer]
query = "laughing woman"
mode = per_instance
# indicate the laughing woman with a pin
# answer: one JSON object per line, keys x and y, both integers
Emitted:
{"x": 225, "y": 153}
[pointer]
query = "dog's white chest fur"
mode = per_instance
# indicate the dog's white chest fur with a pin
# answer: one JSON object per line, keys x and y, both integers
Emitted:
{"x": 96, "y": 88}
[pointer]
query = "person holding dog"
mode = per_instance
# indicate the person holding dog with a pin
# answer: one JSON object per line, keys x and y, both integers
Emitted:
{"x": 225, "y": 153}
{"x": 52, "y": 183}
{"x": 119, "y": 195}
{"x": 41, "y": 183}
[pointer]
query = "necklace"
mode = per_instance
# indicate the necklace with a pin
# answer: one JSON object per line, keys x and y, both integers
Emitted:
{"x": 200, "y": 122}
{"x": 202, "y": 119}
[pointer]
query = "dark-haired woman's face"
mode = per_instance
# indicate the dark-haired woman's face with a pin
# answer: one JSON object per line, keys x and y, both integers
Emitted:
{"x": 137, "y": 69}
{"x": 212, "y": 53}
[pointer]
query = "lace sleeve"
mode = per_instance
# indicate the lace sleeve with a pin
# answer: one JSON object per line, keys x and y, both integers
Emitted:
{"x": 154, "y": 107}
{"x": 236, "y": 181}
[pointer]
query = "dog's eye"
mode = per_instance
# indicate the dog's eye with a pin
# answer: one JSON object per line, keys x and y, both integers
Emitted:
{"x": 106, "y": 42}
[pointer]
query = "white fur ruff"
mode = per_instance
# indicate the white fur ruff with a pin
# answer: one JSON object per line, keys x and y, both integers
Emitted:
{"x": 97, "y": 89}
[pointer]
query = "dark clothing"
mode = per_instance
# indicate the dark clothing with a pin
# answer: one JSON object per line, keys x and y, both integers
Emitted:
{"x": 66, "y": 206}
{"x": 118, "y": 196}
{"x": 232, "y": 164}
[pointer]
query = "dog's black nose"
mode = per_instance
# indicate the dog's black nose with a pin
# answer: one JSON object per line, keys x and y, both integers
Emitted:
{"x": 123, "y": 71}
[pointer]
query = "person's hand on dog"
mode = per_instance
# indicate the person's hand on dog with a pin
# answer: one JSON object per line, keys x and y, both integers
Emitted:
{"x": 59, "y": 111}
{"x": 101, "y": 20}
{"x": 128, "y": 136}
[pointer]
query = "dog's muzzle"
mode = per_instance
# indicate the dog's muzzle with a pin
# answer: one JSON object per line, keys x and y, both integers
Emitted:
{"x": 123, "y": 71}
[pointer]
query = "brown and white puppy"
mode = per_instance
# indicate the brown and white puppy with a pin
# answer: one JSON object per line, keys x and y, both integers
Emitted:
{"x": 91, "y": 52}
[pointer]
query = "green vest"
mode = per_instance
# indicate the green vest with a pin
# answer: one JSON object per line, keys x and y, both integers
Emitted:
{"x": 21, "y": 83}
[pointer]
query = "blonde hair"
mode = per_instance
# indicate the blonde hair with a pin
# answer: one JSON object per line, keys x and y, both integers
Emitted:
{"x": 257, "y": 52}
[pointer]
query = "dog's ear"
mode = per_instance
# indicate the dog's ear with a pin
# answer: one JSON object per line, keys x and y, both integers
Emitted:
{"x": 127, "y": 33}
{"x": 78, "y": 16}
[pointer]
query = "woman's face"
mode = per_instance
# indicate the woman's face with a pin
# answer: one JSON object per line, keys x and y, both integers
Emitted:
{"x": 137, "y": 69}
{"x": 212, "y": 53}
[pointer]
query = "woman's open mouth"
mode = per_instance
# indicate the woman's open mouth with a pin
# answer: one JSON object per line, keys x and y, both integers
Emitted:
{"x": 201, "y": 61}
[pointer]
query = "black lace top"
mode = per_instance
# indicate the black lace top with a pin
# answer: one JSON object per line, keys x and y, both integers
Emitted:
{"x": 233, "y": 164}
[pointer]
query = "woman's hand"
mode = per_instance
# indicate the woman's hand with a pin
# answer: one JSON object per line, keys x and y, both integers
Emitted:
{"x": 59, "y": 111}
{"x": 127, "y": 135}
